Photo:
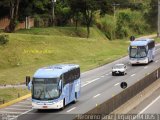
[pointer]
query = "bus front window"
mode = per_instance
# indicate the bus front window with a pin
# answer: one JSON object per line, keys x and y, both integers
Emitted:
{"x": 138, "y": 52}
{"x": 45, "y": 89}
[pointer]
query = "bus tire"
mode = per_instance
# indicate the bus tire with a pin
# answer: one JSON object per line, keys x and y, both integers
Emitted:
{"x": 75, "y": 100}
{"x": 39, "y": 110}
{"x": 113, "y": 74}
{"x": 147, "y": 62}
{"x": 63, "y": 104}
{"x": 123, "y": 73}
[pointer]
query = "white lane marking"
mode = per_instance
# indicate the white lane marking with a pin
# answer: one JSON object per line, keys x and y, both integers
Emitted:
{"x": 71, "y": 109}
{"x": 22, "y": 114}
{"x": 94, "y": 80}
{"x": 84, "y": 84}
{"x": 106, "y": 74}
{"x": 7, "y": 112}
{"x": 149, "y": 105}
{"x": 157, "y": 49}
{"x": 9, "y": 116}
{"x": 116, "y": 84}
{"x": 102, "y": 76}
{"x": 89, "y": 82}
{"x": 146, "y": 107}
{"x": 110, "y": 72}
{"x": 156, "y": 61}
{"x": 133, "y": 75}
{"x": 25, "y": 103}
{"x": 146, "y": 67}
{"x": 21, "y": 106}
{"x": 15, "y": 109}
{"x": 96, "y": 95}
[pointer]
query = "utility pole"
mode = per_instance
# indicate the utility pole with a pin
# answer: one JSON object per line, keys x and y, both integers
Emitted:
{"x": 158, "y": 33}
{"x": 114, "y": 9}
{"x": 53, "y": 13}
{"x": 114, "y": 12}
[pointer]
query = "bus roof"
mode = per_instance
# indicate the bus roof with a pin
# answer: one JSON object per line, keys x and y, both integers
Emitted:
{"x": 54, "y": 71}
{"x": 141, "y": 42}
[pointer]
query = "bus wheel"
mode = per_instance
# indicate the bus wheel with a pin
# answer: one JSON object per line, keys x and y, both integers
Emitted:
{"x": 39, "y": 110}
{"x": 123, "y": 73}
{"x": 63, "y": 104}
{"x": 75, "y": 100}
{"x": 113, "y": 74}
{"x": 147, "y": 61}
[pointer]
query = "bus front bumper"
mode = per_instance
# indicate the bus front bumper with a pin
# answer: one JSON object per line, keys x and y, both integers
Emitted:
{"x": 43, "y": 105}
{"x": 139, "y": 61}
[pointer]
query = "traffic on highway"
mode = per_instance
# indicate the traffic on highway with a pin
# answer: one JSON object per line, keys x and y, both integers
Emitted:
{"x": 97, "y": 86}
{"x": 79, "y": 59}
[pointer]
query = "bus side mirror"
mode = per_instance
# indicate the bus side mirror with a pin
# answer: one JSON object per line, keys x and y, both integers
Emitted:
{"x": 132, "y": 38}
{"x": 28, "y": 79}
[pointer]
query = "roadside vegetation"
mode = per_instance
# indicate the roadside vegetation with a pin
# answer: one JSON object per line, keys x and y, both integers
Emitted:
{"x": 9, "y": 94}
{"x": 27, "y": 52}
{"x": 124, "y": 24}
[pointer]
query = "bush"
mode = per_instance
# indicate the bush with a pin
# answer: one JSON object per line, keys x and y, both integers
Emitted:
{"x": 43, "y": 20}
{"x": 130, "y": 22}
{"x": 4, "y": 39}
{"x": 63, "y": 15}
{"x": 107, "y": 25}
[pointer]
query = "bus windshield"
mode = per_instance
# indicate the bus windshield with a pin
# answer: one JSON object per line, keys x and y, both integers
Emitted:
{"x": 45, "y": 89}
{"x": 138, "y": 52}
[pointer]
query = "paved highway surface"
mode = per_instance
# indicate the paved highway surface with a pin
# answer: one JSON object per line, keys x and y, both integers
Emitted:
{"x": 149, "y": 109}
{"x": 151, "y": 105}
{"x": 98, "y": 85}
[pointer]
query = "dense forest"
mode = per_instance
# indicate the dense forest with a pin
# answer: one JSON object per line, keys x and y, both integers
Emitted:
{"x": 116, "y": 18}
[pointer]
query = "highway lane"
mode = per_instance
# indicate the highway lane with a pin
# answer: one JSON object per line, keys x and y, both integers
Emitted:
{"x": 151, "y": 105}
{"x": 97, "y": 86}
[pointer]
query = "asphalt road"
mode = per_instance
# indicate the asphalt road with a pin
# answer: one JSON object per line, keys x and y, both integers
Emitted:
{"x": 151, "y": 105}
{"x": 148, "y": 109}
{"x": 98, "y": 85}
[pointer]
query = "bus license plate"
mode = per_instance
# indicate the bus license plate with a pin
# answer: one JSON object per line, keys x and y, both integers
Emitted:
{"x": 45, "y": 107}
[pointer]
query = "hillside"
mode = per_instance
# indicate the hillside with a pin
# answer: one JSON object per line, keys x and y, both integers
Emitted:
{"x": 29, "y": 50}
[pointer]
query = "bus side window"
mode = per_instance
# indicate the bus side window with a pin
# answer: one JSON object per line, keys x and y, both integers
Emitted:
{"x": 78, "y": 72}
{"x": 75, "y": 73}
{"x": 65, "y": 78}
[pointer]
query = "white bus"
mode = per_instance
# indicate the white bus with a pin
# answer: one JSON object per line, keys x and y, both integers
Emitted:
{"x": 142, "y": 51}
{"x": 55, "y": 86}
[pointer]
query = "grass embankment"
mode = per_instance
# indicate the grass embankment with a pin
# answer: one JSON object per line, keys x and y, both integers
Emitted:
{"x": 9, "y": 94}
{"x": 157, "y": 40}
{"x": 27, "y": 52}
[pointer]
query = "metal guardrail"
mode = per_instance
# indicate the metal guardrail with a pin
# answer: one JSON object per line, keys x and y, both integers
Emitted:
{"x": 113, "y": 103}
{"x": 3, "y": 101}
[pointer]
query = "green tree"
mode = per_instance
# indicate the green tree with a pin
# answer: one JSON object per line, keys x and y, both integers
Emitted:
{"x": 13, "y": 6}
{"x": 62, "y": 12}
{"x": 87, "y": 9}
{"x": 152, "y": 14}
{"x": 75, "y": 10}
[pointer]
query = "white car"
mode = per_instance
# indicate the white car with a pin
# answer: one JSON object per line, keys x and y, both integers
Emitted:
{"x": 119, "y": 69}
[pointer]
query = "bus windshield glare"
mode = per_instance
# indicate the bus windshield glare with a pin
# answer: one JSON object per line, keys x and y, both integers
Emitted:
{"x": 138, "y": 52}
{"x": 45, "y": 88}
